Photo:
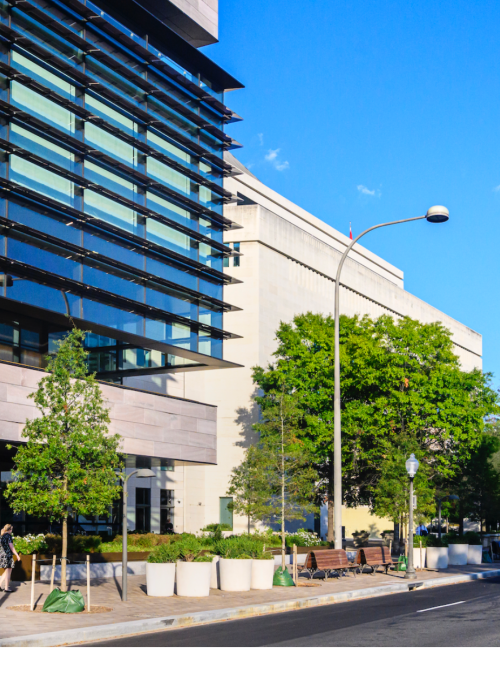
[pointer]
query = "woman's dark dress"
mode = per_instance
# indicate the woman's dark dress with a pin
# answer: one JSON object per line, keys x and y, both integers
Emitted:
{"x": 6, "y": 557}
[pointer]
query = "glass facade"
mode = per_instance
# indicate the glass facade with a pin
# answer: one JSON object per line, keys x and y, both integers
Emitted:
{"x": 111, "y": 193}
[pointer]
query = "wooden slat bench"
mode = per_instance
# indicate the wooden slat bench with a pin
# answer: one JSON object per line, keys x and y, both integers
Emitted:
{"x": 374, "y": 558}
{"x": 328, "y": 561}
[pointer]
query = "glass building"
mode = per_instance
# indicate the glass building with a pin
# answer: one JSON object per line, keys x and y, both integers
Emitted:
{"x": 111, "y": 188}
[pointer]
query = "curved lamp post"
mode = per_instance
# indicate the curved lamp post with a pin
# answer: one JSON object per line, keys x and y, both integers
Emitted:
{"x": 411, "y": 468}
{"x": 141, "y": 474}
{"x": 438, "y": 213}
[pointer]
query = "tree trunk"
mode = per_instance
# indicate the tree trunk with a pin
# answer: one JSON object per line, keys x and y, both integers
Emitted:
{"x": 283, "y": 543}
{"x": 248, "y": 527}
{"x": 64, "y": 553}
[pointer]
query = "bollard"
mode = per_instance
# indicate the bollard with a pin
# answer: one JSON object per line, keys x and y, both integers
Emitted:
{"x": 33, "y": 569}
{"x": 88, "y": 583}
{"x": 53, "y": 573}
{"x": 295, "y": 568}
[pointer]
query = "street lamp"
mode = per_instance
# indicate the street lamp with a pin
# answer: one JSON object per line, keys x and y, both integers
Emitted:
{"x": 411, "y": 469}
{"x": 141, "y": 474}
{"x": 439, "y": 500}
{"x": 438, "y": 213}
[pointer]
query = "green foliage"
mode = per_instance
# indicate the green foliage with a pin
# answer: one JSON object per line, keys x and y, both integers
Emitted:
{"x": 69, "y": 460}
{"x": 264, "y": 555}
{"x": 204, "y": 558}
{"x": 30, "y": 544}
{"x": 76, "y": 544}
{"x": 216, "y": 531}
{"x": 165, "y": 552}
{"x": 425, "y": 540}
{"x": 398, "y": 377}
{"x": 434, "y": 542}
{"x": 303, "y": 538}
{"x": 391, "y": 495}
{"x": 248, "y": 485}
{"x": 472, "y": 538}
{"x": 452, "y": 539}
{"x": 190, "y": 548}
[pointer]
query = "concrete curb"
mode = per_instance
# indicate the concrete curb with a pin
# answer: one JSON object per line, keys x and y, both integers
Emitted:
{"x": 113, "y": 630}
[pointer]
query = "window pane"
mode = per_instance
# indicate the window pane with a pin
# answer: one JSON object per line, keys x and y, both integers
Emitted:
{"x": 38, "y": 295}
{"x": 42, "y": 75}
{"x": 44, "y": 223}
{"x": 45, "y": 182}
{"x": 109, "y": 180}
{"x": 169, "y": 273}
{"x": 171, "y": 210}
{"x": 169, "y": 176}
{"x": 42, "y": 108}
{"x": 43, "y": 259}
{"x": 106, "y": 280}
{"x": 173, "y": 334}
{"x": 110, "y": 211}
{"x": 170, "y": 238}
{"x": 100, "y": 139}
{"x": 170, "y": 149}
{"x": 42, "y": 147}
{"x": 169, "y": 303}
{"x": 121, "y": 253}
{"x": 110, "y": 114}
{"x": 211, "y": 257}
{"x": 112, "y": 317}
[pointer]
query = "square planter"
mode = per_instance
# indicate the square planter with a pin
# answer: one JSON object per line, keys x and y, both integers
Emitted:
{"x": 215, "y": 575}
{"x": 458, "y": 553}
{"x": 416, "y": 558}
{"x": 262, "y": 574}
{"x": 235, "y": 575}
{"x": 437, "y": 558}
{"x": 160, "y": 579}
{"x": 475, "y": 554}
{"x": 193, "y": 579}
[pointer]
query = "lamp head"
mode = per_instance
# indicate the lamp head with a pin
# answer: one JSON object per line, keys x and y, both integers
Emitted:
{"x": 453, "y": 498}
{"x": 438, "y": 213}
{"x": 145, "y": 473}
{"x": 412, "y": 465}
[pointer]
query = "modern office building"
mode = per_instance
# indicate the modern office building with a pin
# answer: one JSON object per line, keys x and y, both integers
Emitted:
{"x": 288, "y": 264}
{"x": 112, "y": 135}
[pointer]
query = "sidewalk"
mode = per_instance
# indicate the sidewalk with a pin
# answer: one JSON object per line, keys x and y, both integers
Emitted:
{"x": 143, "y": 613}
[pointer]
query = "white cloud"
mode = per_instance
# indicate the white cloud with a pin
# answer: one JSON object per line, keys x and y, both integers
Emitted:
{"x": 272, "y": 157}
{"x": 364, "y": 190}
{"x": 260, "y": 137}
{"x": 495, "y": 189}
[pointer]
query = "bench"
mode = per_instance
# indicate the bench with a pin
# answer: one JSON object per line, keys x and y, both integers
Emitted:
{"x": 328, "y": 561}
{"x": 374, "y": 558}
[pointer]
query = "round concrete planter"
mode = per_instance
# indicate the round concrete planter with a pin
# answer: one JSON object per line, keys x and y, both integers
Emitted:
{"x": 193, "y": 579}
{"x": 262, "y": 574}
{"x": 416, "y": 558}
{"x": 160, "y": 579}
{"x": 458, "y": 553}
{"x": 215, "y": 577}
{"x": 437, "y": 558}
{"x": 235, "y": 575}
{"x": 475, "y": 554}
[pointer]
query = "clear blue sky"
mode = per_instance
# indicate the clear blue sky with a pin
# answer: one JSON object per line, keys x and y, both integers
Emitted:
{"x": 372, "y": 111}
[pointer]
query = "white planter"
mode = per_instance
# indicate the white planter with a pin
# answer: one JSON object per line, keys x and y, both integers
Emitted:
{"x": 416, "y": 558}
{"x": 437, "y": 558}
{"x": 193, "y": 579}
{"x": 215, "y": 576}
{"x": 235, "y": 575}
{"x": 458, "y": 553}
{"x": 475, "y": 554}
{"x": 160, "y": 579}
{"x": 262, "y": 574}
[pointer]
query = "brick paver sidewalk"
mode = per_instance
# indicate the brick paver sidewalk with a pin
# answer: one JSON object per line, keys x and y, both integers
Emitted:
{"x": 107, "y": 592}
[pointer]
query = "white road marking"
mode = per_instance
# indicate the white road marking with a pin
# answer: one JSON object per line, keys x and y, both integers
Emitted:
{"x": 452, "y": 604}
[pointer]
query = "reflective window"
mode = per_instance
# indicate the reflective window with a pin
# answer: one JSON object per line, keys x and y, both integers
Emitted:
{"x": 43, "y": 259}
{"x": 213, "y": 231}
{"x": 210, "y": 256}
{"x": 210, "y": 199}
{"x": 168, "y": 148}
{"x": 170, "y": 303}
{"x": 207, "y": 344}
{"x": 41, "y": 108}
{"x": 112, "y": 317}
{"x": 170, "y": 273}
{"x": 212, "y": 288}
{"x": 105, "y": 279}
{"x": 42, "y": 75}
{"x": 38, "y": 295}
{"x": 111, "y": 211}
{"x": 170, "y": 238}
{"x": 45, "y": 223}
{"x": 39, "y": 179}
{"x": 171, "y": 210}
{"x": 124, "y": 88}
{"x": 111, "y": 115}
{"x": 117, "y": 148}
{"x": 210, "y": 317}
{"x": 169, "y": 176}
{"x": 42, "y": 147}
{"x": 172, "y": 333}
{"x": 105, "y": 246}
{"x": 110, "y": 180}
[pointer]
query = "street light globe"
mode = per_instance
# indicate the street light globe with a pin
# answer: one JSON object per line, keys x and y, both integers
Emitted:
{"x": 145, "y": 473}
{"x": 412, "y": 465}
{"x": 438, "y": 213}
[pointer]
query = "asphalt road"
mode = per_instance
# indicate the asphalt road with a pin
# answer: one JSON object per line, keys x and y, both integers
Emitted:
{"x": 466, "y": 615}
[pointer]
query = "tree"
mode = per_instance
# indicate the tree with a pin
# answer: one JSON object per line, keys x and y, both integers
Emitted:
{"x": 68, "y": 462}
{"x": 398, "y": 377}
{"x": 286, "y": 468}
{"x": 391, "y": 495}
{"x": 248, "y": 486}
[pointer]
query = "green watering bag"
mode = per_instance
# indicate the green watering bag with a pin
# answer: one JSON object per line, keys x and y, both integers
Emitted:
{"x": 67, "y": 603}
{"x": 282, "y": 578}
{"x": 402, "y": 563}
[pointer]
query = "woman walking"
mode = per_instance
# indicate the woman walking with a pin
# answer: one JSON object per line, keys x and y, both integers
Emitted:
{"x": 6, "y": 558}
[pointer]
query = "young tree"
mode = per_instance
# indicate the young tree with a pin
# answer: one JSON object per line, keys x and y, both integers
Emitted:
{"x": 286, "y": 466}
{"x": 248, "y": 486}
{"x": 68, "y": 462}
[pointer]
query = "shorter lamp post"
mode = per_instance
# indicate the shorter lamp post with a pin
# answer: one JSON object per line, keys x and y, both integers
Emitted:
{"x": 411, "y": 468}
{"x": 439, "y": 500}
{"x": 141, "y": 474}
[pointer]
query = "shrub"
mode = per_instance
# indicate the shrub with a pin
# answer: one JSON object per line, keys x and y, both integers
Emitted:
{"x": 190, "y": 548}
{"x": 204, "y": 558}
{"x": 417, "y": 539}
{"x": 165, "y": 552}
{"x": 453, "y": 539}
{"x": 76, "y": 544}
{"x": 264, "y": 555}
{"x": 302, "y": 538}
{"x": 360, "y": 538}
{"x": 434, "y": 542}
{"x": 30, "y": 544}
{"x": 473, "y": 538}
